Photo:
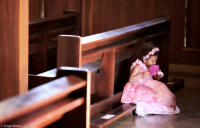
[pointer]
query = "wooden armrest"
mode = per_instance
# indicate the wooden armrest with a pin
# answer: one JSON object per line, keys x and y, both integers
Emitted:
{"x": 93, "y": 67}
{"x": 105, "y": 119}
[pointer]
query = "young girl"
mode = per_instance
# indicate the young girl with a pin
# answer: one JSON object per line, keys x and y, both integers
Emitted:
{"x": 150, "y": 96}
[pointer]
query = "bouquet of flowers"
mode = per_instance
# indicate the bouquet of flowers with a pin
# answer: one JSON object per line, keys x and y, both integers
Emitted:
{"x": 154, "y": 69}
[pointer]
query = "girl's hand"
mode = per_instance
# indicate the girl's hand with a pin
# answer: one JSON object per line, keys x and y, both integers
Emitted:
{"x": 146, "y": 74}
{"x": 158, "y": 76}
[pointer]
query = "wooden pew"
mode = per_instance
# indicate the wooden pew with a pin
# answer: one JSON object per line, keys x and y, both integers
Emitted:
{"x": 109, "y": 55}
{"x": 57, "y": 103}
{"x": 43, "y": 40}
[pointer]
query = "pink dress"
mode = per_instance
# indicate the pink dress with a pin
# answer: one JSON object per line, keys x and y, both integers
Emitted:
{"x": 150, "y": 96}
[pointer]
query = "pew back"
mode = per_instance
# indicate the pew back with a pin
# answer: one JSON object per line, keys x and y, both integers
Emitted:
{"x": 43, "y": 41}
{"x": 53, "y": 104}
{"x": 107, "y": 50}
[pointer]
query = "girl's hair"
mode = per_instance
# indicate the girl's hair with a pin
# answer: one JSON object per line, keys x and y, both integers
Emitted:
{"x": 147, "y": 48}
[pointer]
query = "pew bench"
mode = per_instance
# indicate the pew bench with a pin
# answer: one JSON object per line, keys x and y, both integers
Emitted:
{"x": 108, "y": 56}
{"x": 52, "y": 104}
{"x": 43, "y": 40}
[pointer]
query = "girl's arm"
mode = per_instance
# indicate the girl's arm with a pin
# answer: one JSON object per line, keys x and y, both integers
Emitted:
{"x": 134, "y": 74}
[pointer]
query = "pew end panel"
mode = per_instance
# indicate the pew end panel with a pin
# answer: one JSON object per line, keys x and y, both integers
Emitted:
{"x": 72, "y": 56}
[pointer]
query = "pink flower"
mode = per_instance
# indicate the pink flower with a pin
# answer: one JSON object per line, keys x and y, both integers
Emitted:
{"x": 154, "y": 69}
{"x": 151, "y": 53}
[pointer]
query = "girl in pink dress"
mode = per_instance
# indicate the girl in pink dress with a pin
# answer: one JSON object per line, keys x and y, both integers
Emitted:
{"x": 150, "y": 96}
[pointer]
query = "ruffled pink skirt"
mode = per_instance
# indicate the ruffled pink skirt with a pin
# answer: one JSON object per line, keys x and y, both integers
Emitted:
{"x": 150, "y": 96}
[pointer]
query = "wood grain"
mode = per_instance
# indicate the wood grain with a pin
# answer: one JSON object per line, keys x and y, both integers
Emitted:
{"x": 52, "y": 8}
{"x": 43, "y": 40}
{"x": 36, "y": 97}
{"x": 193, "y": 26}
{"x": 14, "y": 48}
{"x": 104, "y": 15}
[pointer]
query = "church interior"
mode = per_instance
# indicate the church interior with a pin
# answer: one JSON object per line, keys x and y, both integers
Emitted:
{"x": 65, "y": 63}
